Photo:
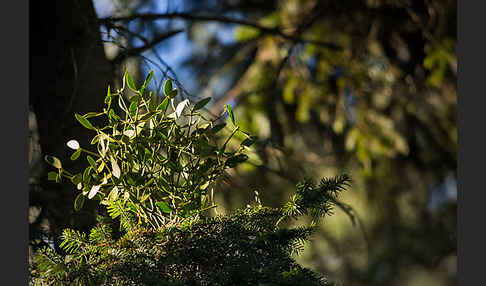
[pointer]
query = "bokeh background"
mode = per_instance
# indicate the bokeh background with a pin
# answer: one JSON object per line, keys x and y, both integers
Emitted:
{"x": 366, "y": 88}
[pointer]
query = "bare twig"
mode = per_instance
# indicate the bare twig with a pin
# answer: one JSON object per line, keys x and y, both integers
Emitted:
{"x": 137, "y": 51}
{"x": 222, "y": 19}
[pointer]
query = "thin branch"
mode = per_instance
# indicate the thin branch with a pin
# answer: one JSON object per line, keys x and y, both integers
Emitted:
{"x": 120, "y": 28}
{"x": 137, "y": 51}
{"x": 221, "y": 19}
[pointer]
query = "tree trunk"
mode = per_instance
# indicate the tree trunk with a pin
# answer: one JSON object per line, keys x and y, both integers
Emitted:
{"x": 69, "y": 74}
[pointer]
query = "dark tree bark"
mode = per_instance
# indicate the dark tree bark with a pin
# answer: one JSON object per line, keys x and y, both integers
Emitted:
{"x": 69, "y": 74}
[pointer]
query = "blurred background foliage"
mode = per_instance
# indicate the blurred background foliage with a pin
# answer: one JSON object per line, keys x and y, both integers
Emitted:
{"x": 362, "y": 87}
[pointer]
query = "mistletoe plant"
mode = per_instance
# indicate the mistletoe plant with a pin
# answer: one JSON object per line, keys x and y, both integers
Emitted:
{"x": 154, "y": 168}
{"x": 154, "y": 162}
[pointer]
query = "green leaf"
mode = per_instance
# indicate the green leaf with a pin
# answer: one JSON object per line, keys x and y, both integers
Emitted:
{"x": 53, "y": 161}
{"x": 112, "y": 115}
{"x": 76, "y": 154}
{"x": 133, "y": 108}
{"x": 108, "y": 96}
{"x": 92, "y": 162}
{"x": 79, "y": 202}
{"x": 130, "y": 180}
{"x": 147, "y": 80}
{"x": 201, "y": 103}
{"x": 163, "y": 206}
{"x": 152, "y": 102}
{"x": 130, "y": 82}
{"x": 230, "y": 112}
{"x": 84, "y": 122}
{"x": 76, "y": 179}
{"x": 52, "y": 176}
{"x": 164, "y": 104}
{"x": 168, "y": 87}
{"x": 86, "y": 174}
{"x": 173, "y": 93}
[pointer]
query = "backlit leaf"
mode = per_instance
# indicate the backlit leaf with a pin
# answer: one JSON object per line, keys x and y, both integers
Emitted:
{"x": 133, "y": 108}
{"x": 148, "y": 78}
{"x": 200, "y": 104}
{"x": 130, "y": 82}
{"x": 168, "y": 87}
{"x": 230, "y": 112}
{"x": 163, "y": 106}
{"x": 180, "y": 107}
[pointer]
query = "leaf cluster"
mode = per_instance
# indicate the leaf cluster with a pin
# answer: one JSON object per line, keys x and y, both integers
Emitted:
{"x": 148, "y": 161}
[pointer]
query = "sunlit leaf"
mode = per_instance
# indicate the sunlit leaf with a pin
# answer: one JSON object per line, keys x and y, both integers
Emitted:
{"x": 230, "y": 112}
{"x": 113, "y": 195}
{"x": 180, "y": 107}
{"x": 129, "y": 133}
{"x": 73, "y": 144}
{"x": 94, "y": 190}
{"x": 53, "y": 161}
{"x": 100, "y": 167}
{"x": 115, "y": 168}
